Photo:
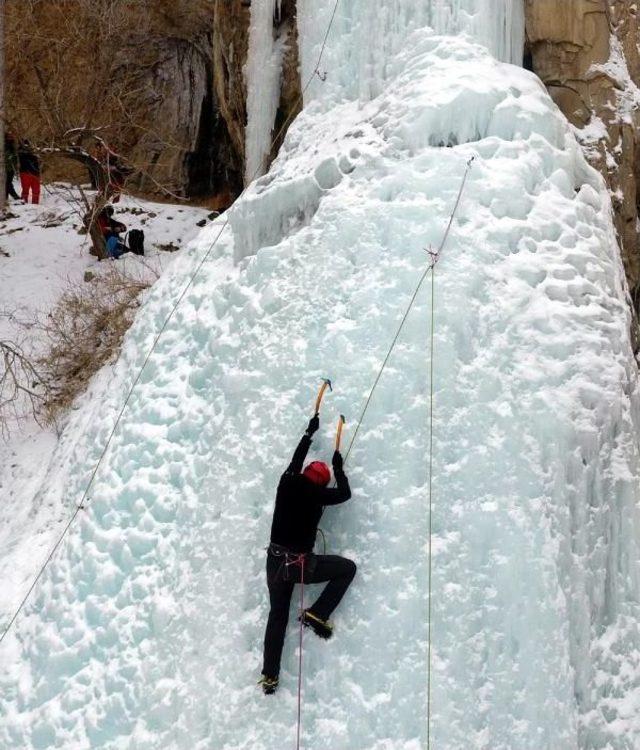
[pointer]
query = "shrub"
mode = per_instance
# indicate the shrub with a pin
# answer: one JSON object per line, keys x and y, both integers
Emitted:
{"x": 84, "y": 332}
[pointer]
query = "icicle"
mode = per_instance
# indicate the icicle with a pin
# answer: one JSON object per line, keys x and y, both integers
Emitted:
{"x": 263, "y": 73}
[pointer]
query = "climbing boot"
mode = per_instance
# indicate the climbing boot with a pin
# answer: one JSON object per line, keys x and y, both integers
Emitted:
{"x": 321, "y": 628}
{"x": 269, "y": 684}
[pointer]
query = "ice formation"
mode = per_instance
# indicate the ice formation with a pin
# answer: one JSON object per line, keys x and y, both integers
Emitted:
{"x": 364, "y": 39}
{"x": 263, "y": 76}
{"x": 146, "y": 632}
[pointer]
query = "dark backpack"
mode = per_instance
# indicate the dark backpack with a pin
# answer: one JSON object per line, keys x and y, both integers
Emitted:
{"x": 136, "y": 241}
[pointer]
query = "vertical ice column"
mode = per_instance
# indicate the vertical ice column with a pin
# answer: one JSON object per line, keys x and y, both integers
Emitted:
{"x": 499, "y": 25}
{"x": 263, "y": 73}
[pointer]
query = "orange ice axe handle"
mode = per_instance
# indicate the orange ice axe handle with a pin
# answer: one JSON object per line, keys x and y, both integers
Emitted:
{"x": 341, "y": 423}
{"x": 326, "y": 383}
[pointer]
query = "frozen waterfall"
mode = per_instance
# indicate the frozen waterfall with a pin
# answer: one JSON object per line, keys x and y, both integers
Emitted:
{"x": 367, "y": 36}
{"x": 146, "y": 631}
{"x": 364, "y": 38}
{"x": 263, "y": 75}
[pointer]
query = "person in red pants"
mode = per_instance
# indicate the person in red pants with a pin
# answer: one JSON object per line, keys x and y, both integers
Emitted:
{"x": 29, "y": 172}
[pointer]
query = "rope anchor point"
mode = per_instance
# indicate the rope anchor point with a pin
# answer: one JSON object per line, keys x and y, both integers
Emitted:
{"x": 434, "y": 255}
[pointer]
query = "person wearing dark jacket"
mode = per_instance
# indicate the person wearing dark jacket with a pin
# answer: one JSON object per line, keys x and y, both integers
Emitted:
{"x": 111, "y": 231}
{"x": 300, "y": 501}
{"x": 29, "y": 165}
{"x": 10, "y": 164}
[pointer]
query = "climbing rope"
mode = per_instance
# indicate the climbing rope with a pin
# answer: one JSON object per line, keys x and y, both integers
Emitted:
{"x": 430, "y": 524}
{"x": 434, "y": 256}
{"x": 301, "y": 563}
{"x": 85, "y": 495}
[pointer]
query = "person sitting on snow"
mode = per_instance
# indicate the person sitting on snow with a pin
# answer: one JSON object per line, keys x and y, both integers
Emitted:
{"x": 300, "y": 500}
{"x": 111, "y": 230}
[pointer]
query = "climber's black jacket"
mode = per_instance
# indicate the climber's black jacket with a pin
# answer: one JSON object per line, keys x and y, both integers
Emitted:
{"x": 299, "y": 503}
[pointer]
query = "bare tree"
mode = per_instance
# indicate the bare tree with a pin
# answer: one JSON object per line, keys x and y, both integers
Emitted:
{"x": 20, "y": 385}
{"x": 84, "y": 331}
{"x": 103, "y": 65}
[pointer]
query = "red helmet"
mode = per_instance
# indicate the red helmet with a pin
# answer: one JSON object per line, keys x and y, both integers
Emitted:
{"x": 317, "y": 472}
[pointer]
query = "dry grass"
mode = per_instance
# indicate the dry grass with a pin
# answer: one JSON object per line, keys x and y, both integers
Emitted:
{"x": 83, "y": 333}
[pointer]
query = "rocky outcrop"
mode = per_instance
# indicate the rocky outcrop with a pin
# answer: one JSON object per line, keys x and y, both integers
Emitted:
{"x": 231, "y": 41}
{"x": 586, "y": 53}
{"x": 230, "y": 45}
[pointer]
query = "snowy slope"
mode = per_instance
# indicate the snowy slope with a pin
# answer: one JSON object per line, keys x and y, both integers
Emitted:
{"x": 146, "y": 633}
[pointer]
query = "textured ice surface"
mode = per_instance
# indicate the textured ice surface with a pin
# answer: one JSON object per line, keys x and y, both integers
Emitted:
{"x": 366, "y": 36}
{"x": 146, "y": 632}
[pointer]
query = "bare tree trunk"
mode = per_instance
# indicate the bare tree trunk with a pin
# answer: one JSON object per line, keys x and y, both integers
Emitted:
{"x": 98, "y": 245}
{"x": 3, "y": 167}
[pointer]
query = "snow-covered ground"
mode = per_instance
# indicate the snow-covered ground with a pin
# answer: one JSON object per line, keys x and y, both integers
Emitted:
{"x": 146, "y": 631}
{"x": 41, "y": 255}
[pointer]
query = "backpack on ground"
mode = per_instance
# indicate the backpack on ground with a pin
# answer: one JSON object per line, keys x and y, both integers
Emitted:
{"x": 136, "y": 241}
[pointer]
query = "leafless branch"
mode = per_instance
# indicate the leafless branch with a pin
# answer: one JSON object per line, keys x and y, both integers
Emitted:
{"x": 20, "y": 384}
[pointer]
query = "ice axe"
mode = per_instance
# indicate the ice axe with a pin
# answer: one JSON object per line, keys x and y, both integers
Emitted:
{"x": 341, "y": 423}
{"x": 326, "y": 383}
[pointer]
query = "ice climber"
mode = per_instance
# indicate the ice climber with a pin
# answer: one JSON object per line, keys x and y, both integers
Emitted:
{"x": 300, "y": 500}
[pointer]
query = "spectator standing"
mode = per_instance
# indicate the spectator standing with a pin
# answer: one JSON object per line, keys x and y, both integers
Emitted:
{"x": 29, "y": 165}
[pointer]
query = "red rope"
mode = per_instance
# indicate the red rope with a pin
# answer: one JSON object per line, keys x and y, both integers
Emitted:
{"x": 300, "y": 561}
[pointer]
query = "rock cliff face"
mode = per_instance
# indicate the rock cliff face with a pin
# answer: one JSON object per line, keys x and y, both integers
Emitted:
{"x": 230, "y": 44}
{"x": 586, "y": 53}
{"x": 163, "y": 83}
{"x": 141, "y": 75}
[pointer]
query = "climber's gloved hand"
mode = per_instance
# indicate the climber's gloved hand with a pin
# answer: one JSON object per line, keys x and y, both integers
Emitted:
{"x": 314, "y": 424}
{"x": 336, "y": 461}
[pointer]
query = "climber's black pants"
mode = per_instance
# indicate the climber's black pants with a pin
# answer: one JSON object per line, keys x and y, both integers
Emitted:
{"x": 281, "y": 578}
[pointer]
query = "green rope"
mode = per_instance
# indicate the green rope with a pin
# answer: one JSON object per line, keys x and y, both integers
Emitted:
{"x": 430, "y": 557}
{"x": 434, "y": 258}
